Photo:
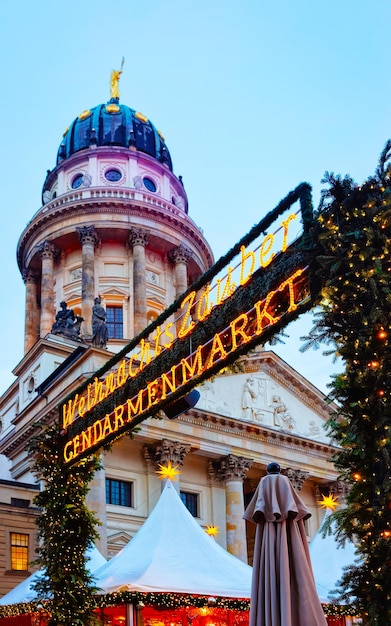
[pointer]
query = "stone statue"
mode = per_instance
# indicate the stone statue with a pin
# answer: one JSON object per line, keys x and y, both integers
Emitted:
{"x": 114, "y": 81}
{"x": 138, "y": 183}
{"x": 99, "y": 328}
{"x": 87, "y": 180}
{"x": 67, "y": 323}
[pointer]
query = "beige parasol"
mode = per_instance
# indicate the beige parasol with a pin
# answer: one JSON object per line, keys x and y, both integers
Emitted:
{"x": 283, "y": 589}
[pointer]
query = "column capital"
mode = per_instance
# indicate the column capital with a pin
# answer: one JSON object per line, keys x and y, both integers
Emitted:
{"x": 181, "y": 254}
{"x": 164, "y": 451}
{"x": 229, "y": 467}
{"x": 87, "y": 234}
{"x": 296, "y": 477}
{"x": 29, "y": 276}
{"x": 337, "y": 488}
{"x": 48, "y": 250}
{"x": 138, "y": 236}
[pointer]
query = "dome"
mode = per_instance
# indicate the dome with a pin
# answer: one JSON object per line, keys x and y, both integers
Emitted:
{"x": 113, "y": 124}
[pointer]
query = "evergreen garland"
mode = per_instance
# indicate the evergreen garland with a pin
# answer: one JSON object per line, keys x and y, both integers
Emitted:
{"x": 158, "y": 600}
{"x": 66, "y": 529}
{"x": 353, "y": 267}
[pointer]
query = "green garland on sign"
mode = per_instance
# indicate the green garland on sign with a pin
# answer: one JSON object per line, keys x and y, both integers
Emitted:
{"x": 353, "y": 230}
{"x": 301, "y": 194}
{"x": 66, "y": 529}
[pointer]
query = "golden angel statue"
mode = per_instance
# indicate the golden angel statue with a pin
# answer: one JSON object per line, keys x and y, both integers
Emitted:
{"x": 114, "y": 81}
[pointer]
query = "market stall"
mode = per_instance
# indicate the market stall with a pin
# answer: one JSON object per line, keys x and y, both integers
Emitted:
{"x": 172, "y": 573}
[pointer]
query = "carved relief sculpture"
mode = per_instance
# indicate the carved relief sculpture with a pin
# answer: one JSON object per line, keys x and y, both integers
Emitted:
{"x": 281, "y": 416}
{"x": 252, "y": 390}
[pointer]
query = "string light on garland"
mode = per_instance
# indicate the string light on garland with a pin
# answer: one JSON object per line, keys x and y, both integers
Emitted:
{"x": 164, "y": 601}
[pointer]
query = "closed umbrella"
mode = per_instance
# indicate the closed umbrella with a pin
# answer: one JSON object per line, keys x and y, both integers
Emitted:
{"x": 283, "y": 591}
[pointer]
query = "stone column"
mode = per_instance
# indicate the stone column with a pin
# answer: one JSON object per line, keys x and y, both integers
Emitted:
{"x": 48, "y": 253}
{"x": 138, "y": 239}
{"x": 231, "y": 470}
{"x": 96, "y": 501}
{"x": 180, "y": 257}
{"x": 166, "y": 451}
{"x": 31, "y": 329}
{"x": 88, "y": 240}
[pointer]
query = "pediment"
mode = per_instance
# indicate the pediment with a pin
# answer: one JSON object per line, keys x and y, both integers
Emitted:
{"x": 72, "y": 296}
{"x": 116, "y": 542}
{"x": 271, "y": 394}
{"x": 157, "y": 301}
{"x": 114, "y": 291}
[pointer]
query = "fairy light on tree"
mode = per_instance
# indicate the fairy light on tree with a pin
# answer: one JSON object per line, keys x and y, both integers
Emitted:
{"x": 66, "y": 529}
{"x": 353, "y": 229}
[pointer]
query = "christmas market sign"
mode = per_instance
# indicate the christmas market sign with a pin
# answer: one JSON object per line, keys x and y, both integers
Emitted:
{"x": 249, "y": 295}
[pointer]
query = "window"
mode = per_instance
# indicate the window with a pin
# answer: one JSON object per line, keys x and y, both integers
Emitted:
{"x": 190, "y": 500}
{"x": 20, "y": 502}
{"x": 119, "y": 492}
{"x": 19, "y": 552}
{"x": 114, "y": 322}
{"x": 77, "y": 181}
{"x": 149, "y": 184}
{"x": 113, "y": 176}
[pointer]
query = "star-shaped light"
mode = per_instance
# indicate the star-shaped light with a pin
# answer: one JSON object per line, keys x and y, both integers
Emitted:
{"x": 212, "y": 531}
{"x": 168, "y": 471}
{"x": 329, "y": 502}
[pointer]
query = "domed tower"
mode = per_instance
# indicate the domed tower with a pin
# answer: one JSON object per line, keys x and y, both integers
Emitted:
{"x": 113, "y": 224}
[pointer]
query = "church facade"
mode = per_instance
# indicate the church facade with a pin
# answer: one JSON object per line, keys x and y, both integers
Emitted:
{"x": 111, "y": 247}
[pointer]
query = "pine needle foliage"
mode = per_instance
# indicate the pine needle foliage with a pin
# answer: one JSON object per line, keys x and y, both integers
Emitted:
{"x": 66, "y": 529}
{"x": 353, "y": 269}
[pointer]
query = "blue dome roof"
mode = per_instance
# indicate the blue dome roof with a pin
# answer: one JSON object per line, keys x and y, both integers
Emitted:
{"x": 113, "y": 124}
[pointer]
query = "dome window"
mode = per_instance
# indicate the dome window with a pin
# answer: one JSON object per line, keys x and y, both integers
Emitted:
{"x": 113, "y": 176}
{"x": 77, "y": 181}
{"x": 149, "y": 184}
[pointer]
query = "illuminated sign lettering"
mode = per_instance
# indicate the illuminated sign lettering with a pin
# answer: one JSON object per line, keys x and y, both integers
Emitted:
{"x": 214, "y": 323}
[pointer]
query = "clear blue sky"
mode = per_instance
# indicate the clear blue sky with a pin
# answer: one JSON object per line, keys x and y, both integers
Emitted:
{"x": 253, "y": 97}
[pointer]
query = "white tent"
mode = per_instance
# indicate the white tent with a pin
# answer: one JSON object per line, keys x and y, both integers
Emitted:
{"x": 328, "y": 560}
{"x": 24, "y": 592}
{"x": 172, "y": 553}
